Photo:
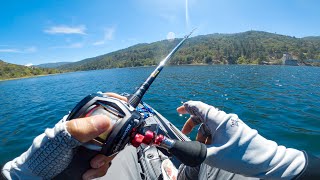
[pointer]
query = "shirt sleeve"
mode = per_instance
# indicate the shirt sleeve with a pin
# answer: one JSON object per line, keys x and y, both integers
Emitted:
{"x": 50, "y": 153}
{"x": 238, "y": 148}
{"x": 311, "y": 170}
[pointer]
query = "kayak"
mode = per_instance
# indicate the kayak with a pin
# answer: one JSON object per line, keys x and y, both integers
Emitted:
{"x": 150, "y": 157}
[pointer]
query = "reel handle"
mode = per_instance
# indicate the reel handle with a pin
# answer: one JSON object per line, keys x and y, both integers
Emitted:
{"x": 190, "y": 153}
{"x": 79, "y": 165}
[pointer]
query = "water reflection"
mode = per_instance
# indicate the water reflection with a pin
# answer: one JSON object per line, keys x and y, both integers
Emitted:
{"x": 283, "y": 103}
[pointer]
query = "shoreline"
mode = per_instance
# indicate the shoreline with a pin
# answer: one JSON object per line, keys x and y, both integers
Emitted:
{"x": 26, "y": 77}
{"x": 193, "y": 64}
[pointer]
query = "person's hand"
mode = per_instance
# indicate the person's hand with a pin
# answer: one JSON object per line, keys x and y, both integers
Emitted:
{"x": 235, "y": 147}
{"x": 52, "y": 151}
{"x": 86, "y": 129}
{"x": 199, "y": 114}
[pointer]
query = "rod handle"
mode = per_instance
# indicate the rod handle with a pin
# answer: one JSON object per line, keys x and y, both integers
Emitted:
{"x": 190, "y": 153}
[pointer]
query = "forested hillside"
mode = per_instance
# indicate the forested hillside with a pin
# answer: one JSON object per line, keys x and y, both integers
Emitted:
{"x": 52, "y": 65}
{"x": 8, "y": 71}
{"x": 251, "y": 47}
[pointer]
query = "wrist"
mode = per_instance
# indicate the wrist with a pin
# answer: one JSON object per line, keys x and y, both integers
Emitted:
{"x": 216, "y": 118}
{"x": 311, "y": 168}
{"x": 49, "y": 154}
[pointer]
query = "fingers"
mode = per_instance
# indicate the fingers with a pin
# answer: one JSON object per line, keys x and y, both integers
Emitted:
{"x": 100, "y": 160}
{"x": 182, "y": 110}
{"x": 204, "y": 135}
{"x": 190, "y": 123}
{"x": 85, "y": 129}
{"x": 205, "y": 139}
{"x": 188, "y": 126}
{"x": 208, "y": 140}
{"x": 201, "y": 137}
{"x": 115, "y": 95}
{"x": 95, "y": 173}
{"x": 100, "y": 164}
{"x": 196, "y": 108}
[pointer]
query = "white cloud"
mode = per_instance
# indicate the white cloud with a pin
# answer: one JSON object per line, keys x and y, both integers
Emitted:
{"x": 10, "y": 50}
{"x": 63, "y": 29}
{"x": 76, "y": 45}
{"x": 108, "y": 35}
{"x": 69, "y": 46}
{"x": 29, "y": 64}
{"x": 98, "y": 43}
{"x": 31, "y": 49}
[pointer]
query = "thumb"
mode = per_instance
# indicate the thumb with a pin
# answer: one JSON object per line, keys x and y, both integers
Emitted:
{"x": 85, "y": 129}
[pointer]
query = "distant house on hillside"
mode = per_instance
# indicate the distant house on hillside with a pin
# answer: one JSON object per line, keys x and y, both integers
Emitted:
{"x": 288, "y": 60}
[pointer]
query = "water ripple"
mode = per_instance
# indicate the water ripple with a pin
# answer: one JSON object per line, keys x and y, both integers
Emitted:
{"x": 281, "y": 102}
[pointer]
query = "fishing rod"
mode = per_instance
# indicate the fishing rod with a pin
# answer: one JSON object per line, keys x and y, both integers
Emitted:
{"x": 128, "y": 127}
{"x": 135, "y": 98}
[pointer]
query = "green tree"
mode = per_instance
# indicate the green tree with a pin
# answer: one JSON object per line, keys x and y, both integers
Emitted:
{"x": 301, "y": 56}
{"x": 208, "y": 59}
{"x": 242, "y": 60}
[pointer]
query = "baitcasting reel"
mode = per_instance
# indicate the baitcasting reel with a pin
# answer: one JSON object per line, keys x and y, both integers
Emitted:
{"x": 125, "y": 120}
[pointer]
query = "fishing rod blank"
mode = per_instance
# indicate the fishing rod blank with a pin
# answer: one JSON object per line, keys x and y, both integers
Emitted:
{"x": 135, "y": 99}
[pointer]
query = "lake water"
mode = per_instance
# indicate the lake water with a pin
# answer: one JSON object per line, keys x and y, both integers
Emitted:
{"x": 281, "y": 102}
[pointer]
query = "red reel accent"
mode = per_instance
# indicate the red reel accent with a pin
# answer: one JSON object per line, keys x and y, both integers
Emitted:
{"x": 137, "y": 140}
{"x": 158, "y": 140}
{"x": 148, "y": 137}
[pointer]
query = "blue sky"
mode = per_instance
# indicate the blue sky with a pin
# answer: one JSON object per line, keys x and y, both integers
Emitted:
{"x": 38, "y": 31}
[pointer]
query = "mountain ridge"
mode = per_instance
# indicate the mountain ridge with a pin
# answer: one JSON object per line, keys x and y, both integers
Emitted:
{"x": 250, "y": 47}
{"x": 52, "y": 65}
